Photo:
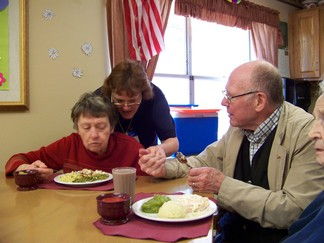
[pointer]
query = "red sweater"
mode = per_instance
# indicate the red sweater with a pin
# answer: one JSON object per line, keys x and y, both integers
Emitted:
{"x": 69, "y": 154}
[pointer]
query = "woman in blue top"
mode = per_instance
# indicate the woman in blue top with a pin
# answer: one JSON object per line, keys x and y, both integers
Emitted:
{"x": 309, "y": 226}
{"x": 143, "y": 110}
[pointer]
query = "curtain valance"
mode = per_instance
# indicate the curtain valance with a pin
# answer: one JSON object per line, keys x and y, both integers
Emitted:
{"x": 262, "y": 21}
{"x": 223, "y": 12}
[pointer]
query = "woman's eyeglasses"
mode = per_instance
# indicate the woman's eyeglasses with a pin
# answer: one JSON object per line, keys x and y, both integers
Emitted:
{"x": 130, "y": 103}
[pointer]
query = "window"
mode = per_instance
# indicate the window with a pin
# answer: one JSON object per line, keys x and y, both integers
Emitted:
{"x": 197, "y": 60}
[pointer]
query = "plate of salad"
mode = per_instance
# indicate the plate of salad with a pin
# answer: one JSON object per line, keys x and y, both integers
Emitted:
{"x": 83, "y": 178}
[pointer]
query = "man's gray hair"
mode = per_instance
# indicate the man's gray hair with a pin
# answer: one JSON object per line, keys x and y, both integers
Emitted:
{"x": 267, "y": 78}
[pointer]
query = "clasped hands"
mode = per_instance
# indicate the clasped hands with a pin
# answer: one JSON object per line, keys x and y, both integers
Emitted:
{"x": 203, "y": 179}
{"x": 152, "y": 161}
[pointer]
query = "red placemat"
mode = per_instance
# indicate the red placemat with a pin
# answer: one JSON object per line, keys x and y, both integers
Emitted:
{"x": 49, "y": 183}
{"x": 140, "y": 228}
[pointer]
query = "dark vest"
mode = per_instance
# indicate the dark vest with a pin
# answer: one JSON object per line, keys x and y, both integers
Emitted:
{"x": 257, "y": 173}
{"x": 234, "y": 227}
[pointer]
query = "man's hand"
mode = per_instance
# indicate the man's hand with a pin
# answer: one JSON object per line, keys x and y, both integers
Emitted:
{"x": 205, "y": 179}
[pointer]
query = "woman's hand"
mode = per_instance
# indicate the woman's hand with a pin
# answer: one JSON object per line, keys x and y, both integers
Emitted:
{"x": 152, "y": 161}
{"x": 38, "y": 165}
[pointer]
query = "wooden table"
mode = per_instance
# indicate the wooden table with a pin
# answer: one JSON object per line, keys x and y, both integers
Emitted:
{"x": 45, "y": 215}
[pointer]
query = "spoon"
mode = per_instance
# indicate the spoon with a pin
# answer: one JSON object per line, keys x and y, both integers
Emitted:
{"x": 182, "y": 159}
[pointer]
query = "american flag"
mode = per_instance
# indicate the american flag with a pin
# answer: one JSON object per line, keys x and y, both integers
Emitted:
{"x": 144, "y": 28}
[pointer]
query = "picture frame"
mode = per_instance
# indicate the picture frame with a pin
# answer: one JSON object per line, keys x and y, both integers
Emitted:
{"x": 283, "y": 26}
{"x": 16, "y": 97}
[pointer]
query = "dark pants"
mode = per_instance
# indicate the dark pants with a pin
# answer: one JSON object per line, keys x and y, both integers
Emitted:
{"x": 234, "y": 228}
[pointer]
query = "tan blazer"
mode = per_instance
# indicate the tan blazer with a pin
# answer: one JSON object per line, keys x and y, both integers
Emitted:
{"x": 295, "y": 178}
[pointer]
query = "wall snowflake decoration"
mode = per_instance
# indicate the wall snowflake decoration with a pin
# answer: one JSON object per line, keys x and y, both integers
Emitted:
{"x": 48, "y": 14}
{"x": 87, "y": 48}
{"x": 53, "y": 53}
{"x": 77, "y": 73}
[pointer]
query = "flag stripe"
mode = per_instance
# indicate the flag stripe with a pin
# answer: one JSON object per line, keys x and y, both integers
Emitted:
{"x": 146, "y": 34}
{"x": 157, "y": 25}
{"x": 144, "y": 28}
{"x": 154, "y": 28}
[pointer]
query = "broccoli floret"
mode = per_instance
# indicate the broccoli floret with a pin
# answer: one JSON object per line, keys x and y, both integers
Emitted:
{"x": 153, "y": 205}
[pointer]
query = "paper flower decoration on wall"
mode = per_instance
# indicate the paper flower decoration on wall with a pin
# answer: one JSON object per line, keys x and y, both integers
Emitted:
{"x": 53, "y": 53}
{"x": 77, "y": 73}
{"x": 2, "y": 79}
{"x": 48, "y": 14}
{"x": 87, "y": 48}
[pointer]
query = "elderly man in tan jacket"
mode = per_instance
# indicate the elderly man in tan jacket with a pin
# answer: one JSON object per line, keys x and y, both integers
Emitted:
{"x": 263, "y": 170}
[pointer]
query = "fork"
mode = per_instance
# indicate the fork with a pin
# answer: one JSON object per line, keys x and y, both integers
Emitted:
{"x": 182, "y": 159}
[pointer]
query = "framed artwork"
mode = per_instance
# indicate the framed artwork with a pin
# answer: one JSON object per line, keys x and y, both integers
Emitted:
{"x": 284, "y": 31}
{"x": 13, "y": 44}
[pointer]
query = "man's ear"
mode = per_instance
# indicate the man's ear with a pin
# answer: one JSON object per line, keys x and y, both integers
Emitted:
{"x": 261, "y": 101}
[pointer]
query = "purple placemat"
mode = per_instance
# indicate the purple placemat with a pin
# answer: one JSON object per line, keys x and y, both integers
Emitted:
{"x": 140, "y": 228}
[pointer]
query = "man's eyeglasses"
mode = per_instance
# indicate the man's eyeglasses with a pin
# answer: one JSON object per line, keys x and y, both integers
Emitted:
{"x": 130, "y": 103}
{"x": 229, "y": 98}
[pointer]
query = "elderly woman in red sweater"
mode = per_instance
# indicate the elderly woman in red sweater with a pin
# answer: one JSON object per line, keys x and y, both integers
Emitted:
{"x": 95, "y": 145}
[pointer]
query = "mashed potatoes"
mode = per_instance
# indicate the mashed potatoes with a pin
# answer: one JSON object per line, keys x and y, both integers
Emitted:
{"x": 183, "y": 206}
{"x": 172, "y": 210}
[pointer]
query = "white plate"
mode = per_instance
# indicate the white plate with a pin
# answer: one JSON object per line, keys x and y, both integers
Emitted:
{"x": 82, "y": 184}
{"x": 153, "y": 216}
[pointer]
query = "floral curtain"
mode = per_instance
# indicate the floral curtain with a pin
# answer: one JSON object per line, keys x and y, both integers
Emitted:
{"x": 262, "y": 21}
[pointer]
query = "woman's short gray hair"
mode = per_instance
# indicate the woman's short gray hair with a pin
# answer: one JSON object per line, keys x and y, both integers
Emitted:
{"x": 90, "y": 104}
